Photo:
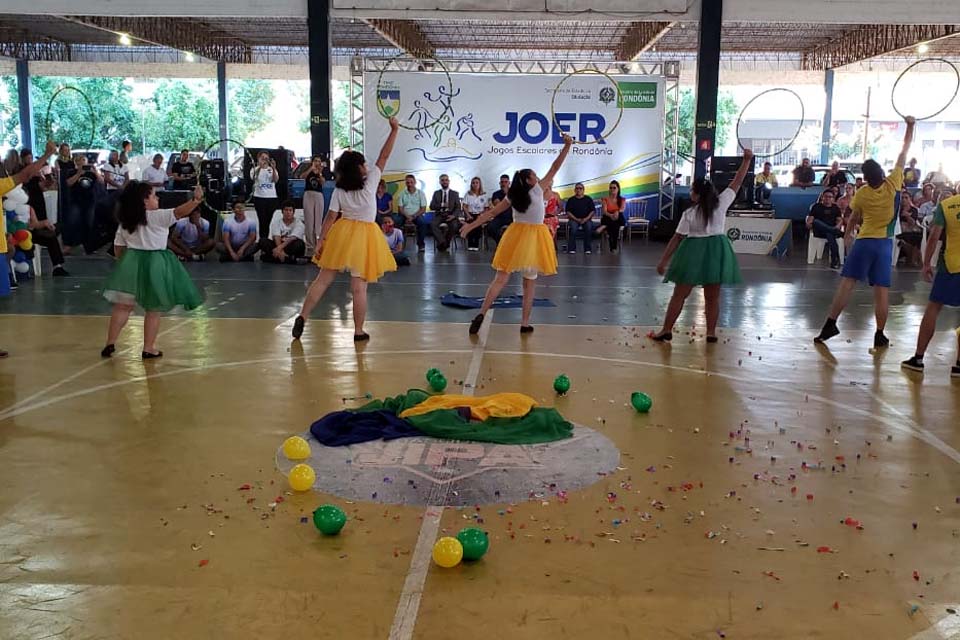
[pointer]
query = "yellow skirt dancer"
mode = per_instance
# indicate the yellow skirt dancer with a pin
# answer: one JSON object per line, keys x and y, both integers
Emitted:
{"x": 357, "y": 247}
{"x": 527, "y": 248}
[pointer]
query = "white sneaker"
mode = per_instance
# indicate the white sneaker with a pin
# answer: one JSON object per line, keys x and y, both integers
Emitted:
{"x": 588, "y": 252}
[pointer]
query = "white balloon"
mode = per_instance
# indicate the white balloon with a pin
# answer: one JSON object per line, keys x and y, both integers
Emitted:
{"x": 22, "y": 267}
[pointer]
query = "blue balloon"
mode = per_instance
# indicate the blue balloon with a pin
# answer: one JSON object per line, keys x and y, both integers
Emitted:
{"x": 11, "y": 216}
{"x": 19, "y": 256}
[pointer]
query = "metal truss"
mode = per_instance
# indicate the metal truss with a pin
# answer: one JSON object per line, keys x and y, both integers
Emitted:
{"x": 403, "y": 34}
{"x": 871, "y": 41}
{"x": 669, "y": 161}
{"x": 184, "y": 35}
{"x": 355, "y": 96}
{"x": 26, "y": 50}
{"x": 641, "y": 37}
{"x": 524, "y": 67}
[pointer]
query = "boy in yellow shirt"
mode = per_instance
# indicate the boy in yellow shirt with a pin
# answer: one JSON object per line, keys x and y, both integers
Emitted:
{"x": 871, "y": 258}
{"x": 8, "y": 183}
{"x": 946, "y": 285}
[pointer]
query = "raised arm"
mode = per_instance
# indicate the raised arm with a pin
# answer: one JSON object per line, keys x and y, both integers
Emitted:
{"x": 907, "y": 141}
{"x": 34, "y": 167}
{"x": 547, "y": 181}
{"x": 737, "y": 181}
{"x": 187, "y": 207}
{"x": 387, "y": 148}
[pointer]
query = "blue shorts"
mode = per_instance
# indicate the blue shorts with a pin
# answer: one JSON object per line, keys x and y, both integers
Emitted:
{"x": 870, "y": 260}
{"x": 4, "y": 274}
{"x": 946, "y": 288}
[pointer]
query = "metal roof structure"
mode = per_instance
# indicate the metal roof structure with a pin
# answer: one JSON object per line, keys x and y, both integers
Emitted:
{"x": 245, "y": 39}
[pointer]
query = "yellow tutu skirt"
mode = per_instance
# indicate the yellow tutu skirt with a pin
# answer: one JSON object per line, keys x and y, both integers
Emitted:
{"x": 357, "y": 247}
{"x": 527, "y": 248}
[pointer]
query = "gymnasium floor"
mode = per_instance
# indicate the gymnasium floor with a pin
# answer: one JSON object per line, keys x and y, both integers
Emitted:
{"x": 121, "y": 477}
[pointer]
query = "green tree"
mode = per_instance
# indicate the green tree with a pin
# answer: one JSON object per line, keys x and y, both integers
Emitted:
{"x": 179, "y": 116}
{"x": 340, "y": 118}
{"x": 727, "y": 110}
{"x": 248, "y": 107}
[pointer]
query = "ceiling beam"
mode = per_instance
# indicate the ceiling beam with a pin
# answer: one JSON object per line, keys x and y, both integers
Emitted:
{"x": 640, "y": 37}
{"x": 870, "y": 41}
{"x": 174, "y": 33}
{"x": 22, "y": 45}
{"x": 405, "y": 35}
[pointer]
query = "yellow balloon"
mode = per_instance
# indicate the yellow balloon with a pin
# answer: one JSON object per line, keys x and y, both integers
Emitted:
{"x": 296, "y": 448}
{"x": 301, "y": 477}
{"x": 447, "y": 552}
{"x": 27, "y": 244}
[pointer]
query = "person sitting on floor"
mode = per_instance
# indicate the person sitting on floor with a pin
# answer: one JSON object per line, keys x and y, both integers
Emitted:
{"x": 285, "y": 241}
{"x": 395, "y": 241}
{"x": 239, "y": 241}
{"x": 190, "y": 237}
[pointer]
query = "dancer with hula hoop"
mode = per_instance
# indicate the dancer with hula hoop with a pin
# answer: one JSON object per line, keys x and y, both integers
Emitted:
{"x": 871, "y": 258}
{"x": 700, "y": 254}
{"x": 350, "y": 239}
{"x": 526, "y": 245}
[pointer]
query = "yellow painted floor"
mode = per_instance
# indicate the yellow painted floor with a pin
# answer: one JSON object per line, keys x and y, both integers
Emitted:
{"x": 119, "y": 477}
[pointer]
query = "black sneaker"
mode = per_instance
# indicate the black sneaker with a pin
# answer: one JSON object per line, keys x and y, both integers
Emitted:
{"x": 955, "y": 371}
{"x": 913, "y": 364}
{"x": 59, "y": 272}
{"x": 13, "y": 281}
{"x": 298, "y": 327}
{"x": 524, "y": 329}
{"x": 829, "y": 330}
{"x": 475, "y": 324}
{"x": 880, "y": 341}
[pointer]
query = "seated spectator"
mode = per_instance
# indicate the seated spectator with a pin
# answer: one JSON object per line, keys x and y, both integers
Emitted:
{"x": 497, "y": 226}
{"x": 845, "y": 200}
{"x": 411, "y": 207}
{"x": 285, "y": 240}
{"x": 858, "y": 184}
{"x": 190, "y": 237}
{"x": 395, "y": 241}
{"x": 824, "y": 221}
{"x": 912, "y": 174}
{"x": 183, "y": 172}
{"x": 447, "y": 211}
{"x": 239, "y": 236}
{"x": 580, "y": 209}
{"x": 551, "y": 212}
{"x": 43, "y": 233}
{"x": 384, "y": 202}
{"x": 937, "y": 177}
{"x": 764, "y": 182}
{"x": 115, "y": 174}
{"x": 911, "y": 233}
{"x": 803, "y": 175}
{"x": 835, "y": 177}
{"x": 925, "y": 201}
{"x": 154, "y": 175}
{"x": 612, "y": 218}
{"x": 474, "y": 203}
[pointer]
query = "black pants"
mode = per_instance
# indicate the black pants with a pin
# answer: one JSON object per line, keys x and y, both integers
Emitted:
{"x": 47, "y": 238}
{"x": 294, "y": 250}
{"x": 444, "y": 236}
{"x": 246, "y": 256}
{"x": 475, "y": 236}
{"x": 265, "y": 208}
{"x": 612, "y": 227}
{"x": 496, "y": 229}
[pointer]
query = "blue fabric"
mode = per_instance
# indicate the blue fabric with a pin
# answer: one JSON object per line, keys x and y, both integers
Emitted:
{"x": 503, "y": 302}
{"x": 946, "y": 288}
{"x": 586, "y": 228}
{"x": 4, "y": 273}
{"x": 342, "y": 428}
{"x": 870, "y": 260}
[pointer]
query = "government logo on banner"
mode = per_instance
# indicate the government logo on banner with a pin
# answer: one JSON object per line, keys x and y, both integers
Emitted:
{"x": 389, "y": 100}
{"x": 637, "y": 95}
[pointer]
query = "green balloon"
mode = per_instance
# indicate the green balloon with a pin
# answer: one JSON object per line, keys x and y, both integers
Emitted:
{"x": 329, "y": 519}
{"x": 561, "y": 384}
{"x": 475, "y": 543}
{"x": 438, "y": 382}
{"x": 641, "y": 402}
{"x": 433, "y": 371}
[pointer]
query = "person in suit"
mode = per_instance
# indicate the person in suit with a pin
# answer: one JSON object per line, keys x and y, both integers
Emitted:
{"x": 447, "y": 212}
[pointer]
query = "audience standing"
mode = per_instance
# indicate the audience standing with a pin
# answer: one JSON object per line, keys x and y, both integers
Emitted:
{"x": 154, "y": 175}
{"x": 264, "y": 176}
{"x": 803, "y": 175}
{"x": 835, "y": 177}
{"x": 183, "y": 172}
{"x": 313, "y": 202}
{"x": 912, "y": 174}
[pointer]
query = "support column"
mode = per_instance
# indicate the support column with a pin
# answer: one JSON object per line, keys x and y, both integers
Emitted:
{"x": 318, "y": 53}
{"x": 827, "y": 117}
{"x": 708, "y": 84}
{"x": 23, "y": 101}
{"x": 222, "y": 109}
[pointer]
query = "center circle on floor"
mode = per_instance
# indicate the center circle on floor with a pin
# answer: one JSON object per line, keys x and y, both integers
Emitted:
{"x": 430, "y": 471}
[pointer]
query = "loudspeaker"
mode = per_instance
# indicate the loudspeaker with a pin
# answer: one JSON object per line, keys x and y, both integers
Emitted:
{"x": 281, "y": 157}
{"x": 722, "y": 171}
{"x": 214, "y": 183}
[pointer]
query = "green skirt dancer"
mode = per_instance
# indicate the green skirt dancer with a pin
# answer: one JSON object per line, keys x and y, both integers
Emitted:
{"x": 704, "y": 260}
{"x": 153, "y": 281}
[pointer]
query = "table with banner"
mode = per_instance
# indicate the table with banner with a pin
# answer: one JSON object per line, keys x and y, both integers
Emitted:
{"x": 759, "y": 233}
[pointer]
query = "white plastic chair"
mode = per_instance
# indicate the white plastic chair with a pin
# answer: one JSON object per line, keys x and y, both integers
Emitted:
{"x": 923, "y": 247}
{"x": 816, "y": 247}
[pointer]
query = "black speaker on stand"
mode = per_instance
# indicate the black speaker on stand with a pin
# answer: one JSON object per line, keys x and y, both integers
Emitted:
{"x": 722, "y": 171}
{"x": 212, "y": 178}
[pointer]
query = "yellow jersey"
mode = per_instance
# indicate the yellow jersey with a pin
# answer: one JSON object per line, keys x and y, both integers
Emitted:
{"x": 947, "y": 215}
{"x": 6, "y": 184}
{"x": 877, "y": 207}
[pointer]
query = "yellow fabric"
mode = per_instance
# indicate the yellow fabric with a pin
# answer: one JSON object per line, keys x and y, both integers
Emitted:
{"x": 6, "y": 184}
{"x": 499, "y": 405}
{"x": 526, "y": 248}
{"x": 357, "y": 247}
{"x": 876, "y": 206}
{"x": 762, "y": 179}
{"x": 951, "y": 237}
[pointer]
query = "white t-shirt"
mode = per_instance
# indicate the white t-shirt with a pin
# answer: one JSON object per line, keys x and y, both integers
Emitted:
{"x": 118, "y": 173}
{"x": 151, "y": 236}
{"x": 692, "y": 226}
{"x": 264, "y": 186}
{"x": 475, "y": 204}
{"x": 361, "y": 204}
{"x": 536, "y": 211}
{"x": 188, "y": 231}
{"x": 155, "y": 176}
{"x": 239, "y": 231}
{"x": 279, "y": 228}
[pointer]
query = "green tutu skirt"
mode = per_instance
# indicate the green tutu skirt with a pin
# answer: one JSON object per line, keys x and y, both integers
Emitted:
{"x": 151, "y": 280}
{"x": 700, "y": 261}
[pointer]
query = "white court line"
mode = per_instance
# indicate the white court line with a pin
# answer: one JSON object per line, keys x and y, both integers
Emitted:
{"x": 405, "y": 618}
{"x": 947, "y": 628}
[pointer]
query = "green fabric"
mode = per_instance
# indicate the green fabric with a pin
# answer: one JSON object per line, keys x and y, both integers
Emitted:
{"x": 705, "y": 260}
{"x": 153, "y": 280}
{"x": 539, "y": 425}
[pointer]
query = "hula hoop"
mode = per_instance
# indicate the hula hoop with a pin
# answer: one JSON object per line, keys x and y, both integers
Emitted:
{"x": 226, "y": 169}
{"x": 93, "y": 114}
{"x": 956, "y": 89}
{"x": 795, "y": 135}
{"x": 446, "y": 107}
{"x": 553, "y": 113}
